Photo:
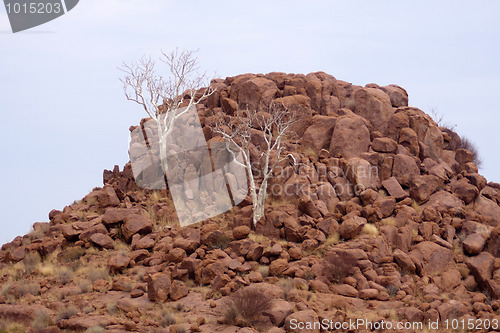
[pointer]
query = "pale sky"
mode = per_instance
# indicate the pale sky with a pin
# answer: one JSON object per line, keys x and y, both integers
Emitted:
{"x": 64, "y": 118}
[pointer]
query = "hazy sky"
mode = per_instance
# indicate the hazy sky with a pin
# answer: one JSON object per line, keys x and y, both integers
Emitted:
{"x": 64, "y": 118}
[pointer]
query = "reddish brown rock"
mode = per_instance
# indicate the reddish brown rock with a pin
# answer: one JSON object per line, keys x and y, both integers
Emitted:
{"x": 178, "y": 290}
{"x": 303, "y": 317}
{"x": 319, "y": 135}
{"x": 176, "y": 255}
{"x": 159, "y": 287}
{"x": 115, "y": 215}
{"x": 398, "y": 95}
{"x": 361, "y": 174}
{"x": 422, "y": 187}
{"x": 278, "y": 267}
{"x": 493, "y": 245}
{"x": 118, "y": 262}
{"x": 350, "y": 137}
{"x": 404, "y": 261}
{"x": 307, "y": 206}
{"x": 394, "y": 188}
{"x": 241, "y": 232}
{"x": 102, "y": 240}
{"x": 254, "y": 92}
{"x": 443, "y": 201}
{"x": 375, "y": 106}
{"x": 473, "y": 244}
{"x": 451, "y": 279}
{"x": 344, "y": 290}
{"x": 351, "y": 227}
{"x": 409, "y": 139}
{"x": 108, "y": 197}
{"x": 136, "y": 224}
{"x": 433, "y": 257}
{"x": 87, "y": 232}
{"x": 319, "y": 286}
{"x": 368, "y": 294}
{"x": 280, "y": 310}
{"x": 384, "y": 145}
{"x": 481, "y": 267}
{"x": 489, "y": 210}
{"x": 465, "y": 190}
{"x": 404, "y": 169}
{"x": 452, "y": 309}
{"x": 18, "y": 254}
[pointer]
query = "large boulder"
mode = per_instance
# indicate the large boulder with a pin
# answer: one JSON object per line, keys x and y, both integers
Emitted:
{"x": 361, "y": 174}
{"x": 253, "y": 92}
{"x": 432, "y": 257}
{"x": 398, "y": 95}
{"x": 319, "y": 135}
{"x": 159, "y": 286}
{"x": 300, "y": 105}
{"x": 443, "y": 201}
{"x": 465, "y": 190}
{"x": 136, "y": 224}
{"x": 404, "y": 169}
{"x": 302, "y": 321}
{"x": 489, "y": 210}
{"x": 350, "y": 137}
{"x": 427, "y": 131}
{"x": 422, "y": 187}
{"x": 374, "y": 105}
{"x": 481, "y": 266}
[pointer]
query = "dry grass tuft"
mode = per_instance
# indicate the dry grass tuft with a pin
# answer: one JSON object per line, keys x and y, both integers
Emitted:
{"x": 338, "y": 266}
{"x": 370, "y": 229}
{"x": 246, "y": 305}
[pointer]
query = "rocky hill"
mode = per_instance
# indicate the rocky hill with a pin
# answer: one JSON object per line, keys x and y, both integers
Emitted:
{"x": 383, "y": 218}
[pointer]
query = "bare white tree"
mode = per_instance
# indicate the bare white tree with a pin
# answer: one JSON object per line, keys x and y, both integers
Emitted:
{"x": 162, "y": 97}
{"x": 273, "y": 126}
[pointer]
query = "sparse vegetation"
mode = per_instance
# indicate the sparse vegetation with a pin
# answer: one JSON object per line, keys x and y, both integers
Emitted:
{"x": 41, "y": 321}
{"x": 339, "y": 266}
{"x": 73, "y": 253}
{"x": 168, "y": 319}
{"x": 246, "y": 305}
{"x": 31, "y": 261}
{"x": 66, "y": 312}
{"x": 457, "y": 141}
{"x": 95, "y": 274}
{"x": 370, "y": 229}
{"x": 64, "y": 275}
{"x": 465, "y": 143}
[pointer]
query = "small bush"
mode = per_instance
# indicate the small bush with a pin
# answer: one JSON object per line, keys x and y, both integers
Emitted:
{"x": 64, "y": 275}
{"x": 470, "y": 146}
{"x": 85, "y": 286}
{"x": 67, "y": 312}
{"x": 32, "y": 288}
{"x": 167, "y": 320}
{"x": 73, "y": 253}
{"x": 95, "y": 274}
{"x": 246, "y": 305}
{"x": 41, "y": 321}
{"x": 31, "y": 262}
{"x": 338, "y": 266}
{"x": 220, "y": 241}
{"x": 392, "y": 290}
{"x": 111, "y": 308}
{"x": 287, "y": 285}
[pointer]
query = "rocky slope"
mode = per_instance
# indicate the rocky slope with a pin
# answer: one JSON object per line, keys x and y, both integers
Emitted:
{"x": 384, "y": 218}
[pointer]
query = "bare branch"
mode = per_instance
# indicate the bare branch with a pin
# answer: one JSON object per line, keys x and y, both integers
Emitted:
{"x": 275, "y": 123}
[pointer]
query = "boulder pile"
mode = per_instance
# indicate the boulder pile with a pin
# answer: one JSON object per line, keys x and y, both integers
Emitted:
{"x": 383, "y": 216}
